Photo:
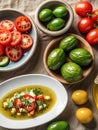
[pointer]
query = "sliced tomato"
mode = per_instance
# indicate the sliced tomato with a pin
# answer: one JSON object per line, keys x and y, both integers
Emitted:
{"x": 16, "y": 38}
{"x": 40, "y": 97}
{"x": 1, "y": 50}
{"x": 23, "y": 24}
{"x": 32, "y": 112}
{"x": 7, "y": 24}
{"x": 31, "y": 107}
{"x": 26, "y": 42}
{"x": 27, "y": 96}
{"x": 5, "y": 37}
{"x": 18, "y": 102}
{"x": 14, "y": 53}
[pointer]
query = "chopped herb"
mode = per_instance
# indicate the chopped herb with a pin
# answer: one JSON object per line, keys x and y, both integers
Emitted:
{"x": 40, "y": 103}
{"x": 10, "y": 105}
{"x": 37, "y": 91}
{"x": 27, "y": 91}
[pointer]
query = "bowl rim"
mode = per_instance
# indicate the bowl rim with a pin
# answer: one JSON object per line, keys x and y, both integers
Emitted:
{"x": 59, "y": 32}
{"x": 34, "y": 45}
{"x": 46, "y": 52}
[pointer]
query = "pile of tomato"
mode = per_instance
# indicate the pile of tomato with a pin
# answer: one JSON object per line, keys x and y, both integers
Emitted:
{"x": 14, "y": 38}
{"x": 88, "y": 23}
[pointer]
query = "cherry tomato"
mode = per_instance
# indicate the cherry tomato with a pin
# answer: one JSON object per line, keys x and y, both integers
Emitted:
{"x": 27, "y": 96}
{"x": 14, "y": 53}
{"x": 23, "y": 24}
{"x": 31, "y": 107}
{"x": 26, "y": 41}
{"x": 92, "y": 36}
{"x": 85, "y": 24}
{"x": 1, "y": 50}
{"x": 83, "y": 8}
{"x": 18, "y": 102}
{"x": 7, "y": 24}
{"x": 5, "y": 37}
{"x": 95, "y": 16}
{"x": 16, "y": 38}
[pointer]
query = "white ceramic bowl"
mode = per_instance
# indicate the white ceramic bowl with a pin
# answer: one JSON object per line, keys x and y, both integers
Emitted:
{"x": 34, "y": 79}
{"x": 12, "y": 14}
{"x": 51, "y": 4}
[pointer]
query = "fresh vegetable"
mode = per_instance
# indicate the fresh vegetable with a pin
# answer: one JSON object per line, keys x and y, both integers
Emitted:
{"x": 83, "y": 8}
{"x": 56, "y": 58}
{"x": 79, "y": 97}
{"x": 56, "y": 24}
{"x": 16, "y": 38}
{"x": 92, "y": 36}
{"x": 71, "y": 72}
{"x": 84, "y": 115}
{"x": 14, "y": 53}
{"x": 81, "y": 56}
{"x": 58, "y": 125}
{"x": 60, "y": 11}
{"x": 23, "y": 24}
{"x": 7, "y": 25}
{"x": 68, "y": 43}
{"x": 5, "y": 37}
{"x": 85, "y": 24}
{"x": 26, "y": 42}
{"x": 4, "y": 60}
{"x": 1, "y": 50}
{"x": 94, "y": 16}
{"x": 45, "y": 15}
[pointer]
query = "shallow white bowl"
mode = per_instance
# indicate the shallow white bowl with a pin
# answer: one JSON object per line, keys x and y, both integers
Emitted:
{"x": 51, "y": 4}
{"x": 12, "y": 14}
{"x": 34, "y": 79}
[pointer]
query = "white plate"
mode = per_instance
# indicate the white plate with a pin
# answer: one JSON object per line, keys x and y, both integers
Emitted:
{"x": 34, "y": 79}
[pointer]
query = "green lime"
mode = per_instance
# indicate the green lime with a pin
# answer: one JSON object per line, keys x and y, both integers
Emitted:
{"x": 58, "y": 125}
{"x": 68, "y": 43}
{"x": 60, "y": 11}
{"x": 56, "y": 58}
{"x": 81, "y": 56}
{"x": 71, "y": 72}
{"x": 56, "y": 24}
{"x": 45, "y": 15}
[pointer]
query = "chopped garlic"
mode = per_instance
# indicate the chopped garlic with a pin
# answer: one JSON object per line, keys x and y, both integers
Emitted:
{"x": 18, "y": 114}
{"x": 5, "y": 104}
{"x": 13, "y": 111}
{"x": 47, "y": 97}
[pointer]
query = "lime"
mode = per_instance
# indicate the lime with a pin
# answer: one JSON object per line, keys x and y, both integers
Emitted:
{"x": 56, "y": 58}
{"x": 71, "y": 72}
{"x": 58, "y": 125}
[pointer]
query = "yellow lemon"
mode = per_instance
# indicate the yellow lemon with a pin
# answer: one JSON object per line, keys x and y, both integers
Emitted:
{"x": 84, "y": 115}
{"x": 79, "y": 97}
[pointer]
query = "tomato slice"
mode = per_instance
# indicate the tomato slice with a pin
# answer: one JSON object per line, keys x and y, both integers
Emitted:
{"x": 27, "y": 42}
{"x": 16, "y": 38}
{"x": 23, "y": 24}
{"x": 27, "y": 96}
{"x": 31, "y": 107}
{"x": 1, "y": 50}
{"x": 7, "y": 24}
{"x": 14, "y": 53}
{"x": 18, "y": 102}
{"x": 5, "y": 37}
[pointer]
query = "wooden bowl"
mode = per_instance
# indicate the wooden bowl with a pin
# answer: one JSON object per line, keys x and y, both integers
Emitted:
{"x": 55, "y": 44}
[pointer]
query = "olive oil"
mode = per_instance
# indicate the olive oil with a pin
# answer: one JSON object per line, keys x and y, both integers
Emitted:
{"x": 95, "y": 91}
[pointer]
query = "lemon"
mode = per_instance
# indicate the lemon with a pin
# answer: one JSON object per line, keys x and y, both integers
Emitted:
{"x": 84, "y": 115}
{"x": 79, "y": 97}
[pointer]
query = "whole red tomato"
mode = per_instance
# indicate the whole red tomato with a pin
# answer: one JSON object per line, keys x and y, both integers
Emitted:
{"x": 95, "y": 16}
{"x": 83, "y": 8}
{"x": 85, "y": 24}
{"x": 92, "y": 36}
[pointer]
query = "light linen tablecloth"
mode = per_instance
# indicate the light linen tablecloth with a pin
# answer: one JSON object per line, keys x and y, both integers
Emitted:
{"x": 35, "y": 65}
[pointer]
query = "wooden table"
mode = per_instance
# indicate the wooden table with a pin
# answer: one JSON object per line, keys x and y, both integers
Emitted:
{"x": 35, "y": 65}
